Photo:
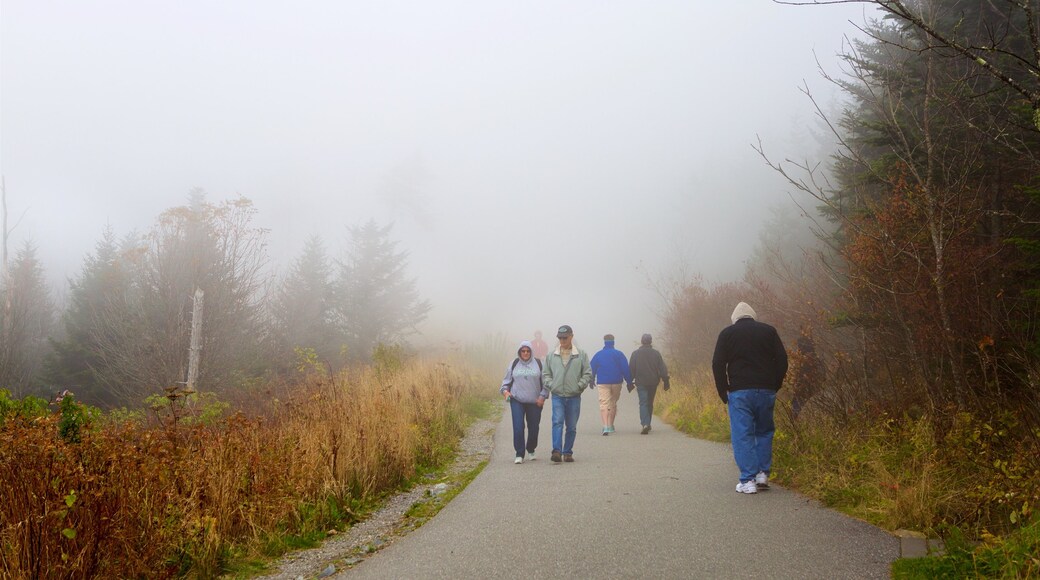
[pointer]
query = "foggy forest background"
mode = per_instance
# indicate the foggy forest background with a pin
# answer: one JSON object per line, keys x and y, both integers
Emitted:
{"x": 902, "y": 270}
{"x": 910, "y": 259}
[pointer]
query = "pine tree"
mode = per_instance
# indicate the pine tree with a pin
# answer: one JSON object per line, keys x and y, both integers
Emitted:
{"x": 25, "y": 324}
{"x": 376, "y": 302}
{"x": 97, "y": 301}
{"x": 302, "y": 307}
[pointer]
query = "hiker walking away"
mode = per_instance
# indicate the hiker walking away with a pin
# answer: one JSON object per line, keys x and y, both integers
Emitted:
{"x": 648, "y": 371}
{"x": 609, "y": 368}
{"x": 522, "y": 388}
{"x": 749, "y": 365}
{"x": 541, "y": 350}
{"x": 566, "y": 375}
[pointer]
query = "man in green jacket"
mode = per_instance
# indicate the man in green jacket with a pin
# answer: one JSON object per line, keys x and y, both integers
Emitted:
{"x": 566, "y": 375}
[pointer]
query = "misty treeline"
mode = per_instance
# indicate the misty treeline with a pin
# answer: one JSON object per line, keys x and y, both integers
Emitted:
{"x": 125, "y": 330}
{"x": 920, "y": 290}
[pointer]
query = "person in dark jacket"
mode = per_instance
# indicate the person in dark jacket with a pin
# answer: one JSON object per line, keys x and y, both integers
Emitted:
{"x": 609, "y": 368}
{"x": 648, "y": 371}
{"x": 749, "y": 365}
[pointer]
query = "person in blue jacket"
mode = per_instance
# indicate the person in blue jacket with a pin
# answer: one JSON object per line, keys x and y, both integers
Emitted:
{"x": 610, "y": 368}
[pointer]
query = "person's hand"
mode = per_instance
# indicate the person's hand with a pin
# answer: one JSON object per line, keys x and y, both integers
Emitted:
{"x": 540, "y": 401}
{"x": 506, "y": 394}
{"x": 667, "y": 385}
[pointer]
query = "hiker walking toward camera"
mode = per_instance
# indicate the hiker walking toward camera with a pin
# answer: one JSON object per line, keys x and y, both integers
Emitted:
{"x": 566, "y": 375}
{"x": 609, "y": 368}
{"x": 648, "y": 371}
{"x": 749, "y": 365}
{"x": 522, "y": 388}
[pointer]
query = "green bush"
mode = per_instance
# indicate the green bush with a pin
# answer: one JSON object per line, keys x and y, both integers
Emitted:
{"x": 27, "y": 408}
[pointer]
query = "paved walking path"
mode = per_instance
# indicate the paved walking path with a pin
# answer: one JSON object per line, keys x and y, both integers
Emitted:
{"x": 631, "y": 506}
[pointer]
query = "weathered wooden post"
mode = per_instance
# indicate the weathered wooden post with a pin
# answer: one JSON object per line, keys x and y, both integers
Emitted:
{"x": 196, "y": 341}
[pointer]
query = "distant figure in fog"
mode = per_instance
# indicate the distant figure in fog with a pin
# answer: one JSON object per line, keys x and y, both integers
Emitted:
{"x": 808, "y": 373}
{"x": 541, "y": 350}
{"x": 648, "y": 371}
{"x": 609, "y": 368}
{"x": 749, "y": 365}
{"x": 522, "y": 388}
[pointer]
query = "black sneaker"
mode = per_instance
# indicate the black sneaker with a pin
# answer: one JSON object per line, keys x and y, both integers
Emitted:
{"x": 646, "y": 429}
{"x": 568, "y": 458}
{"x": 555, "y": 457}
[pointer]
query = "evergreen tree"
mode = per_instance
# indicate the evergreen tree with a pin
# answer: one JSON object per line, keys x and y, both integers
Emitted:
{"x": 302, "y": 307}
{"x": 97, "y": 303}
{"x": 25, "y": 322}
{"x": 376, "y": 302}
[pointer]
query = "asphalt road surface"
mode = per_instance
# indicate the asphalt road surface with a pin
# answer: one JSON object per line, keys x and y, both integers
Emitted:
{"x": 660, "y": 505}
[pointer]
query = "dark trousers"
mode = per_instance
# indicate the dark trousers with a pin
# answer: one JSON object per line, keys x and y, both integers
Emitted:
{"x": 646, "y": 404}
{"x": 532, "y": 414}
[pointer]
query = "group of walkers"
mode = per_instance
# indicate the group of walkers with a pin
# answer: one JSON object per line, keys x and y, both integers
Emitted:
{"x": 749, "y": 365}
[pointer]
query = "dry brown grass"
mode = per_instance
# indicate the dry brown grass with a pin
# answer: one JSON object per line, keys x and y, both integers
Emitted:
{"x": 130, "y": 500}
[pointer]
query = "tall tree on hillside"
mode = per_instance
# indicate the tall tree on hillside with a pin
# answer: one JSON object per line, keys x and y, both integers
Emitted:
{"x": 376, "y": 302}
{"x": 302, "y": 305}
{"x": 26, "y": 322}
{"x": 98, "y": 313}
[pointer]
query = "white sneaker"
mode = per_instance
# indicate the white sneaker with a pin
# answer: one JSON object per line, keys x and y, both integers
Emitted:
{"x": 518, "y": 460}
{"x": 762, "y": 480}
{"x": 530, "y": 455}
{"x": 747, "y": 487}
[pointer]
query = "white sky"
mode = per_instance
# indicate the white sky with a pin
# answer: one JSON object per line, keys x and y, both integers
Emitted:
{"x": 540, "y": 159}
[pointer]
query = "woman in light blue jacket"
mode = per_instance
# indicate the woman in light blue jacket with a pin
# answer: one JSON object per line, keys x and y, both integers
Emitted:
{"x": 522, "y": 387}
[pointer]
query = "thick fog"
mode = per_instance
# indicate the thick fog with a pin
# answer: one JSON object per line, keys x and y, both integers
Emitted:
{"x": 543, "y": 162}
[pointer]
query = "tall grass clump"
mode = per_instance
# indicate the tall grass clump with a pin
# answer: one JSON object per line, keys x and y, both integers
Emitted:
{"x": 182, "y": 494}
{"x": 692, "y": 406}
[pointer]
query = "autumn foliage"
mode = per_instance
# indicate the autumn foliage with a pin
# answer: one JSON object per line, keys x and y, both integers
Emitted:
{"x": 121, "y": 498}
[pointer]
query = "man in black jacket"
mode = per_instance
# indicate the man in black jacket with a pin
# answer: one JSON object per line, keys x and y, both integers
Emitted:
{"x": 648, "y": 370}
{"x": 749, "y": 366}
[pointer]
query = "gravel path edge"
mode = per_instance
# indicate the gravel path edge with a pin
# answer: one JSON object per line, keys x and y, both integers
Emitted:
{"x": 341, "y": 552}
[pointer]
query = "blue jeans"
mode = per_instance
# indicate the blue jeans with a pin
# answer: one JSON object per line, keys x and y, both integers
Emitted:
{"x": 751, "y": 430}
{"x": 532, "y": 413}
{"x": 565, "y": 410}
{"x": 646, "y": 404}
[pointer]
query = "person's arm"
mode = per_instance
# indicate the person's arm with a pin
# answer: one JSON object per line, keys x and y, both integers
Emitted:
{"x": 662, "y": 371}
{"x": 586, "y": 371}
{"x": 633, "y": 364}
{"x": 507, "y": 382}
{"x": 625, "y": 370}
{"x": 781, "y": 361}
{"x": 547, "y": 374}
{"x": 718, "y": 368}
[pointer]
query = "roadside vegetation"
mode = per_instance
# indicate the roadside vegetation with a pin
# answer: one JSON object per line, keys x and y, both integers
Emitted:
{"x": 972, "y": 482}
{"x": 197, "y": 488}
{"x": 905, "y": 282}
